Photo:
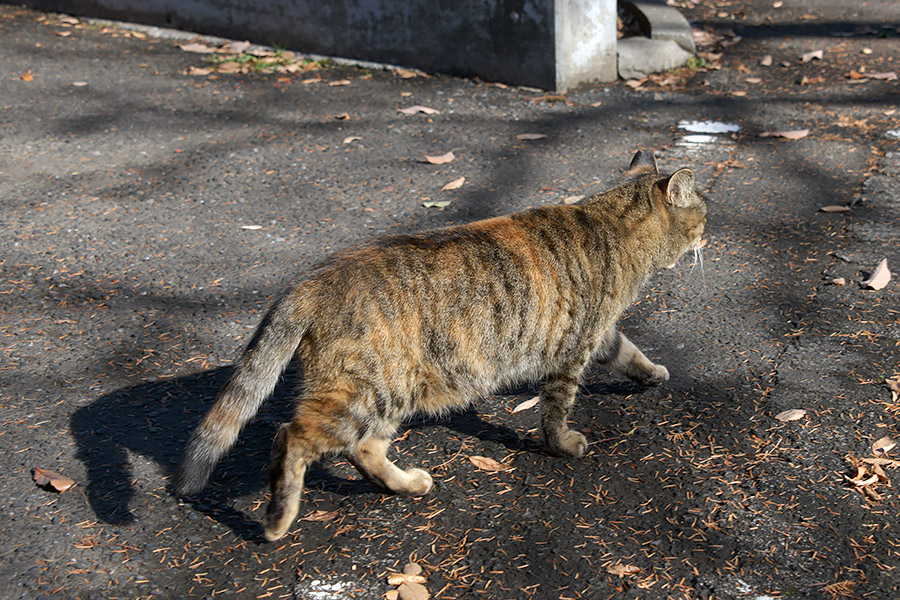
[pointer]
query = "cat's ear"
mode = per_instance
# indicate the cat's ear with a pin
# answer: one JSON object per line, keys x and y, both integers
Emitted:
{"x": 643, "y": 162}
{"x": 680, "y": 188}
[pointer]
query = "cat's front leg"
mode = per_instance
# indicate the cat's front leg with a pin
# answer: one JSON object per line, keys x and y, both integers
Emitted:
{"x": 557, "y": 400}
{"x": 620, "y": 354}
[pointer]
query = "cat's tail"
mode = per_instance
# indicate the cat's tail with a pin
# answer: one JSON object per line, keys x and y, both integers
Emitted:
{"x": 254, "y": 379}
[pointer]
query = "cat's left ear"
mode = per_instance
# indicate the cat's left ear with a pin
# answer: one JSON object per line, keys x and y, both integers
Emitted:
{"x": 643, "y": 162}
{"x": 680, "y": 188}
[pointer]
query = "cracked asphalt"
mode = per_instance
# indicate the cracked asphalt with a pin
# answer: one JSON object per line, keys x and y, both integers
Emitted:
{"x": 150, "y": 213}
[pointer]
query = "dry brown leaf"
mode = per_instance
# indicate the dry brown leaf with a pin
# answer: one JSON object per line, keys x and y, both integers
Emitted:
{"x": 196, "y": 71}
{"x": 197, "y": 47}
{"x": 885, "y": 444}
{"x": 572, "y": 199}
{"x": 341, "y": 117}
{"x": 766, "y": 61}
{"x": 440, "y": 160}
{"x": 350, "y": 139}
{"x": 833, "y": 208}
{"x": 321, "y": 515}
{"x": 236, "y": 47}
{"x": 894, "y": 386}
{"x": 882, "y": 462}
{"x": 340, "y": 82}
{"x": 47, "y": 478}
{"x": 401, "y": 578}
{"x": 413, "y": 591}
{"x": 488, "y": 464}
{"x": 811, "y": 80}
{"x": 412, "y": 569}
{"x": 839, "y": 281}
{"x": 391, "y": 595}
{"x": 251, "y": 227}
{"x": 26, "y": 76}
{"x": 527, "y": 404}
{"x": 889, "y": 75}
{"x": 794, "y": 134}
{"x": 418, "y": 109}
{"x": 879, "y": 278}
{"x": 791, "y": 415}
{"x": 808, "y": 56}
{"x": 864, "y": 482}
{"x": 454, "y": 185}
{"x": 531, "y": 136}
{"x": 622, "y": 570}
{"x": 229, "y": 67}
{"x": 62, "y": 33}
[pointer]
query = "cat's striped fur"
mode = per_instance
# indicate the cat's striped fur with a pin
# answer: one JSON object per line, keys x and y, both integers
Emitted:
{"x": 426, "y": 323}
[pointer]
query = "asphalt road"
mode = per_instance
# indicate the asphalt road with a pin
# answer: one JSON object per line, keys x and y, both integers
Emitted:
{"x": 151, "y": 209}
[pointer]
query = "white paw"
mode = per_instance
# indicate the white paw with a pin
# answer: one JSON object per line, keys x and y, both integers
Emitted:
{"x": 419, "y": 483}
{"x": 572, "y": 444}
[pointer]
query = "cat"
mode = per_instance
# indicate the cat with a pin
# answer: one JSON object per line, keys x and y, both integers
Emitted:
{"x": 426, "y": 323}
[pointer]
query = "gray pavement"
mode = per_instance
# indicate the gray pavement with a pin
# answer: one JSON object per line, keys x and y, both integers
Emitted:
{"x": 149, "y": 215}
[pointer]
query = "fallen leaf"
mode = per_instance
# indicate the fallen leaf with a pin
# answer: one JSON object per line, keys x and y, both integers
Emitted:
{"x": 622, "y": 570}
{"x": 808, "y": 56}
{"x": 839, "y": 281}
{"x": 856, "y": 75}
{"x": 635, "y": 83}
{"x": 350, "y": 139}
{"x": 391, "y": 595}
{"x": 811, "y": 80}
{"x": 236, "y": 47}
{"x": 531, "y": 136}
{"x": 894, "y": 386}
{"x": 879, "y": 278}
{"x": 889, "y": 76}
{"x": 67, "y": 19}
{"x": 440, "y": 160}
{"x": 79, "y": 83}
{"x": 342, "y": 116}
{"x": 406, "y": 73}
{"x": 251, "y": 227}
{"x": 196, "y": 71}
{"x": 438, "y": 204}
{"x": 832, "y": 208}
{"x": 766, "y": 61}
{"x": 454, "y": 185}
{"x": 753, "y": 80}
{"x": 488, "y": 464}
{"x": 412, "y": 569}
{"x": 26, "y": 76}
{"x": 572, "y": 199}
{"x": 791, "y": 415}
{"x": 864, "y": 482}
{"x": 401, "y": 578}
{"x": 311, "y": 80}
{"x": 418, "y": 109}
{"x": 883, "y": 462}
{"x": 340, "y": 82}
{"x": 413, "y": 591}
{"x": 47, "y": 478}
{"x": 229, "y": 67}
{"x": 794, "y": 134}
{"x": 62, "y": 33}
{"x": 526, "y": 405}
{"x": 885, "y": 444}
{"x": 321, "y": 515}
{"x": 198, "y": 48}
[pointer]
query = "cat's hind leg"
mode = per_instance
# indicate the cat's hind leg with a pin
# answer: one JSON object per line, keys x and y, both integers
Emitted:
{"x": 620, "y": 354}
{"x": 370, "y": 458}
{"x": 316, "y": 431}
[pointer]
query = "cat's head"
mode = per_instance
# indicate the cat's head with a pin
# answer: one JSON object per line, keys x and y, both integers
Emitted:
{"x": 675, "y": 207}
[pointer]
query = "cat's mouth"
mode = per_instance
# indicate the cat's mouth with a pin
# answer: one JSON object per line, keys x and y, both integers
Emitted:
{"x": 697, "y": 248}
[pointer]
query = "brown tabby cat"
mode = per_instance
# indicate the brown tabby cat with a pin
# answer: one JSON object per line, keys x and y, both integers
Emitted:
{"x": 426, "y": 323}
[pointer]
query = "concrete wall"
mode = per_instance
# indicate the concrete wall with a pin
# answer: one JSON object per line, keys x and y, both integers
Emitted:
{"x": 551, "y": 44}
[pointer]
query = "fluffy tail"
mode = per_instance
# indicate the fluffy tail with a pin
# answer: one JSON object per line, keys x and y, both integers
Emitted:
{"x": 254, "y": 380}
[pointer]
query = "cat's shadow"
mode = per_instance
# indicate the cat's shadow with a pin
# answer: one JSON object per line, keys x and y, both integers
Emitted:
{"x": 155, "y": 419}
